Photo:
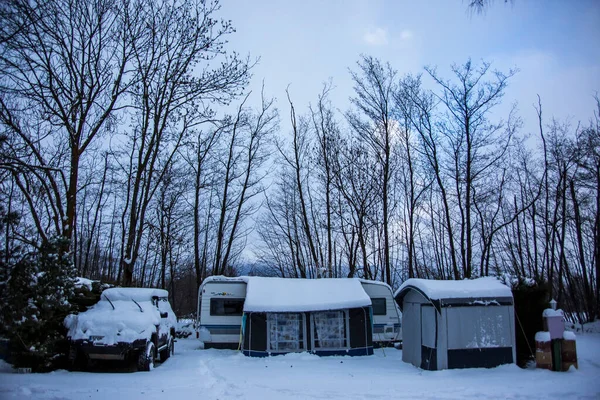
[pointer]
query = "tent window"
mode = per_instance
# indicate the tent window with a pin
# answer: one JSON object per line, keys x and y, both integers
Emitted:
{"x": 226, "y": 307}
{"x": 478, "y": 327}
{"x": 379, "y": 306}
{"x": 330, "y": 329}
{"x": 286, "y": 331}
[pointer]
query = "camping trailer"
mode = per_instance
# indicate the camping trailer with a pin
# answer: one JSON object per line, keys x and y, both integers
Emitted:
{"x": 221, "y": 301}
{"x": 220, "y": 309}
{"x": 386, "y": 316}
{"x": 457, "y": 324}
{"x": 320, "y": 316}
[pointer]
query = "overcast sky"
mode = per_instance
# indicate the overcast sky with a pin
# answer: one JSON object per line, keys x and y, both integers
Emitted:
{"x": 554, "y": 43}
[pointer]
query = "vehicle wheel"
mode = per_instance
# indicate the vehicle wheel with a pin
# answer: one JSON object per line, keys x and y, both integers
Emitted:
{"x": 168, "y": 351}
{"x": 146, "y": 358}
{"x": 77, "y": 360}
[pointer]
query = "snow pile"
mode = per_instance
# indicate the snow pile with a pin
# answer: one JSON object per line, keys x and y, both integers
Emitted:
{"x": 485, "y": 302}
{"x": 5, "y": 367}
{"x": 515, "y": 281}
{"x": 204, "y": 334}
{"x": 80, "y": 282}
{"x": 542, "y": 336}
{"x": 549, "y": 312}
{"x": 475, "y": 288}
{"x": 297, "y": 295}
{"x": 185, "y": 328}
{"x": 588, "y": 327}
{"x": 568, "y": 335}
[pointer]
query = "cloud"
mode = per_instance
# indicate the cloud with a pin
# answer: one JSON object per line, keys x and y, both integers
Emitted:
{"x": 376, "y": 37}
{"x": 406, "y": 34}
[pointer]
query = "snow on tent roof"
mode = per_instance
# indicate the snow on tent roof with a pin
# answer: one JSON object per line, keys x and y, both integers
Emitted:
{"x": 137, "y": 294}
{"x": 297, "y": 295}
{"x": 469, "y": 288}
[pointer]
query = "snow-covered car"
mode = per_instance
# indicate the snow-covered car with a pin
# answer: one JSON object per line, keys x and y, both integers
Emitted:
{"x": 133, "y": 324}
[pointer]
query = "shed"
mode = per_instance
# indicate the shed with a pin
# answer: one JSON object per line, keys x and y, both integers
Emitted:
{"x": 321, "y": 316}
{"x": 457, "y": 324}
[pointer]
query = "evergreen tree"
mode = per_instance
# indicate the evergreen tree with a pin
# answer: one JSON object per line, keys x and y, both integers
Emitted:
{"x": 36, "y": 300}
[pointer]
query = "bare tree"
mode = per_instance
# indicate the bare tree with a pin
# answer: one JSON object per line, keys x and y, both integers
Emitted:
{"x": 64, "y": 65}
{"x": 326, "y": 134}
{"x": 372, "y": 120}
{"x": 176, "y": 79}
{"x": 589, "y": 180}
{"x": 359, "y": 187}
{"x": 198, "y": 158}
{"x": 476, "y": 145}
{"x": 297, "y": 162}
{"x": 413, "y": 179}
{"x": 246, "y": 154}
{"x": 423, "y": 120}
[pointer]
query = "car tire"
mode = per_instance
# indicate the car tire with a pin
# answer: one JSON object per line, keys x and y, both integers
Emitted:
{"x": 146, "y": 358}
{"x": 76, "y": 360}
{"x": 168, "y": 351}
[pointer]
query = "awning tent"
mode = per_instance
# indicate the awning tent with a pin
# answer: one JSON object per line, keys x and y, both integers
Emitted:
{"x": 322, "y": 316}
{"x": 457, "y": 324}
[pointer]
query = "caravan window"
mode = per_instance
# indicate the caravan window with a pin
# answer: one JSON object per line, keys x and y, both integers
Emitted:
{"x": 330, "y": 331}
{"x": 226, "y": 307}
{"x": 379, "y": 306}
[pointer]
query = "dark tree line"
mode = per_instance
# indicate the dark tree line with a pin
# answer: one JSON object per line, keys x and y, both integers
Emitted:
{"x": 126, "y": 130}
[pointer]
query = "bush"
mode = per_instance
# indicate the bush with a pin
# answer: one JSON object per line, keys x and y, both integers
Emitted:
{"x": 35, "y": 293}
{"x": 531, "y": 299}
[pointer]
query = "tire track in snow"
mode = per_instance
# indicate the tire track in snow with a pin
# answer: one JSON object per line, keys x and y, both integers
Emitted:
{"x": 223, "y": 388}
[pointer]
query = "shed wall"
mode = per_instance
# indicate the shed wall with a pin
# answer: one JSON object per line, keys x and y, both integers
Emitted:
{"x": 429, "y": 334}
{"x": 479, "y": 336}
{"x": 465, "y": 335}
{"x": 442, "y": 360}
{"x": 411, "y": 328}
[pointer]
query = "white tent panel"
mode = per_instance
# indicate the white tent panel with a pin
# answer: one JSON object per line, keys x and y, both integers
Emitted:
{"x": 428, "y": 323}
{"x": 479, "y": 327}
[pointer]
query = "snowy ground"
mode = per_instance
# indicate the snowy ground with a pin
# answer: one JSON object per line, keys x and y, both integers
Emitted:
{"x": 226, "y": 374}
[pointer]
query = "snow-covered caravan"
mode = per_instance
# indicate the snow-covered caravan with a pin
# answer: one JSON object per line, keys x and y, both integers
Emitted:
{"x": 322, "y": 316}
{"x": 386, "y": 317}
{"x": 220, "y": 309}
{"x": 457, "y": 324}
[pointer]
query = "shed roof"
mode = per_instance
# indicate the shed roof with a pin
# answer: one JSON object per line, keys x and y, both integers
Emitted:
{"x": 297, "y": 295}
{"x": 446, "y": 292}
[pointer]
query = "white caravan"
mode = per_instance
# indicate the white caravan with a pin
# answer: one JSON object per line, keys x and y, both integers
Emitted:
{"x": 386, "y": 316}
{"x": 220, "y": 309}
{"x": 221, "y": 305}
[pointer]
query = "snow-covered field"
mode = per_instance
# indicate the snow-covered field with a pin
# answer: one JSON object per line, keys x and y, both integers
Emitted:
{"x": 226, "y": 374}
